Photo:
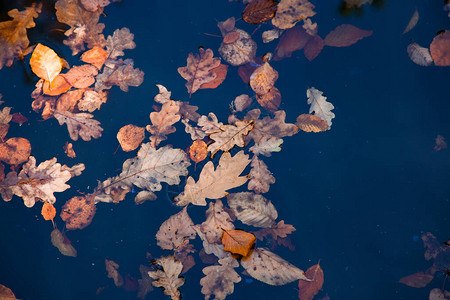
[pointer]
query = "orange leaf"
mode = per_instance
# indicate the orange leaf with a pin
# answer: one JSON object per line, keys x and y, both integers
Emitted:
{"x": 48, "y": 211}
{"x": 45, "y": 63}
{"x": 81, "y": 76}
{"x": 198, "y": 150}
{"x": 15, "y": 150}
{"x": 221, "y": 73}
{"x": 68, "y": 149}
{"x": 308, "y": 289}
{"x": 130, "y": 137}
{"x": 58, "y": 86}
{"x": 96, "y": 56}
{"x": 231, "y": 37}
{"x": 238, "y": 241}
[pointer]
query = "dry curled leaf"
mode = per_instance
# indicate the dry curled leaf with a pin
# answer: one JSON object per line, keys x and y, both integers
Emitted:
{"x": 15, "y": 150}
{"x": 269, "y": 268}
{"x": 167, "y": 276}
{"x": 79, "y": 125}
{"x": 252, "y": 209}
{"x": 162, "y": 122}
{"x": 199, "y": 69}
{"x": 130, "y": 137}
{"x": 220, "y": 279}
{"x": 175, "y": 230}
{"x": 237, "y": 241}
{"x": 112, "y": 269}
{"x": 259, "y": 11}
{"x": 289, "y": 12}
{"x": 308, "y": 289}
{"x": 62, "y": 243}
{"x": 198, "y": 151}
{"x": 213, "y": 183}
{"x": 239, "y": 52}
{"x": 45, "y": 63}
{"x": 345, "y": 35}
{"x": 311, "y": 123}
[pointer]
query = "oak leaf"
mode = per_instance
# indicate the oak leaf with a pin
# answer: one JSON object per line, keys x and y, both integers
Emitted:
{"x": 311, "y": 123}
{"x": 81, "y": 76}
{"x": 220, "y": 279}
{"x": 121, "y": 39}
{"x": 13, "y": 33}
{"x": 216, "y": 219}
{"x": 308, "y": 289}
{"x": 252, "y": 209}
{"x": 92, "y": 100}
{"x": 167, "y": 276}
{"x": 163, "y": 96}
{"x": 259, "y": 11}
{"x": 94, "y": 5}
{"x": 69, "y": 100}
{"x": 210, "y": 124}
{"x": 199, "y": 69}
{"x": 238, "y": 241}
{"x": 162, "y": 122}
{"x": 15, "y": 150}
{"x": 121, "y": 73}
{"x": 79, "y": 125}
{"x": 198, "y": 150}
{"x": 95, "y": 56}
{"x": 269, "y": 268}
{"x": 260, "y": 178}
{"x": 266, "y": 145}
{"x": 175, "y": 230}
{"x": 229, "y": 136}
{"x": 279, "y": 230}
{"x": 440, "y": 49}
{"x": 320, "y": 106}
{"x": 289, "y": 12}
{"x": 45, "y": 63}
{"x": 213, "y": 184}
{"x": 63, "y": 244}
{"x": 130, "y": 137}
{"x": 345, "y": 35}
{"x": 195, "y": 132}
{"x": 239, "y": 52}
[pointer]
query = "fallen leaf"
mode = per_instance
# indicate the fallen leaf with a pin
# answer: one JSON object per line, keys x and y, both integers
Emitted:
{"x": 92, "y": 100}
{"x": 121, "y": 73}
{"x": 175, "y": 230}
{"x": 45, "y": 63}
{"x": 412, "y": 22}
{"x": 64, "y": 246}
{"x": 440, "y": 143}
{"x": 143, "y": 196}
{"x": 270, "y": 35}
{"x": 213, "y": 184}
{"x": 279, "y": 230}
{"x": 6, "y": 293}
{"x": 252, "y": 209}
{"x": 112, "y": 269}
{"x": 216, "y": 219}
{"x": 78, "y": 212}
{"x": 145, "y": 284}
{"x": 18, "y": 118}
{"x": 242, "y": 102}
{"x": 48, "y": 211}
{"x": 270, "y": 127}
{"x": 79, "y": 125}
{"x": 231, "y": 37}
{"x": 345, "y": 35}
{"x": 94, "y": 5}
{"x": 419, "y": 55}
{"x": 308, "y": 289}
{"x": 199, "y": 69}
{"x": 95, "y": 56}
{"x": 239, "y": 52}
{"x": 121, "y": 39}
{"x": 167, "y": 276}
{"x": 220, "y": 279}
{"x": 229, "y": 136}
{"x": 163, "y": 95}
{"x": 417, "y": 280}
{"x": 269, "y": 268}
{"x": 438, "y": 294}
{"x": 271, "y": 100}
{"x": 311, "y": 123}
{"x": 68, "y": 101}
{"x": 440, "y": 49}
{"x": 198, "y": 150}
{"x": 289, "y": 12}
{"x": 292, "y": 40}
{"x": 162, "y": 122}
{"x": 263, "y": 79}
{"x": 266, "y": 145}
{"x": 221, "y": 74}
{"x": 238, "y": 241}
{"x": 259, "y": 11}
{"x": 130, "y": 137}
{"x": 320, "y": 106}
{"x": 313, "y": 47}
{"x": 58, "y": 86}
{"x": 260, "y": 178}
{"x": 15, "y": 150}
{"x": 195, "y": 132}
{"x": 81, "y": 76}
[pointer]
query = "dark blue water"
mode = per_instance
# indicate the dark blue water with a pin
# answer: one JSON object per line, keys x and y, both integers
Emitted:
{"x": 359, "y": 195}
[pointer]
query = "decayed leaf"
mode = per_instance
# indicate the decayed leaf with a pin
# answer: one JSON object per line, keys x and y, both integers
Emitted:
{"x": 198, "y": 150}
{"x": 213, "y": 184}
{"x": 145, "y": 284}
{"x": 168, "y": 276}
{"x": 147, "y": 171}
{"x": 220, "y": 279}
{"x": 15, "y": 150}
{"x": 269, "y": 268}
{"x": 260, "y": 178}
{"x": 311, "y": 123}
{"x": 320, "y": 106}
{"x": 121, "y": 73}
{"x": 162, "y": 122}
{"x": 195, "y": 132}
{"x": 229, "y": 136}
{"x": 216, "y": 219}
{"x": 13, "y": 33}
{"x": 215, "y": 248}
{"x": 81, "y": 76}
{"x": 263, "y": 79}
{"x": 121, "y": 39}
{"x": 96, "y": 57}
{"x": 293, "y": 39}
{"x": 440, "y": 49}
{"x": 68, "y": 101}
{"x": 45, "y": 63}
{"x": 242, "y": 102}
{"x": 438, "y": 294}
{"x": 175, "y": 230}
{"x": 419, "y": 55}
{"x": 345, "y": 35}
{"x": 79, "y": 125}
{"x": 78, "y": 212}
{"x": 412, "y": 22}
{"x": 199, "y": 69}
{"x": 289, "y": 12}
{"x": 111, "y": 268}
{"x": 417, "y": 280}
{"x": 259, "y": 11}
{"x": 63, "y": 244}
{"x": 238, "y": 241}
{"x": 130, "y": 137}
{"x": 313, "y": 47}
{"x": 266, "y": 145}
{"x": 308, "y": 289}
{"x": 271, "y": 100}
{"x": 253, "y": 209}
{"x": 42, "y": 181}
{"x": 239, "y": 52}
{"x": 18, "y": 118}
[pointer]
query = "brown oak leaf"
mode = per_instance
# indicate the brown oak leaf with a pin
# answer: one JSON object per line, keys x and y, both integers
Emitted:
{"x": 167, "y": 276}
{"x": 79, "y": 125}
{"x": 162, "y": 122}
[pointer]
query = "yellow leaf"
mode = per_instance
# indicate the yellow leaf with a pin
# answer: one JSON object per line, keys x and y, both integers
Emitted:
{"x": 45, "y": 63}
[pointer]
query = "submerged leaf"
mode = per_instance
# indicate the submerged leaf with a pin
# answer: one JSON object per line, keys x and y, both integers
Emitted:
{"x": 308, "y": 289}
{"x": 412, "y": 22}
{"x": 64, "y": 246}
{"x": 345, "y": 35}
{"x": 220, "y": 279}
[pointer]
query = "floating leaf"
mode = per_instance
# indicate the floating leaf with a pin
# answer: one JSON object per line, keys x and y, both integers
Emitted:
{"x": 263, "y": 79}
{"x": 280, "y": 230}
{"x": 45, "y": 63}
{"x": 238, "y": 241}
{"x": 112, "y": 269}
{"x": 198, "y": 151}
{"x": 121, "y": 73}
{"x": 242, "y": 102}
{"x": 15, "y": 150}
{"x": 63, "y": 244}
{"x": 92, "y": 100}
{"x": 269, "y": 268}
{"x": 345, "y": 35}
{"x": 164, "y": 94}
{"x": 260, "y": 176}
{"x": 419, "y": 55}
{"x": 412, "y": 22}
{"x": 313, "y": 47}
{"x": 175, "y": 230}
{"x": 311, "y": 123}
{"x": 308, "y": 289}
{"x": 221, "y": 74}
{"x": 199, "y": 69}
{"x": 239, "y": 52}
{"x": 270, "y": 127}
{"x": 266, "y": 145}
{"x": 162, "y": 122}
{"x": 81, "y": 76}
{"x": 121, "y": 39}
{"x": 79, "y": 125}
{"x": 440, "y": 49}
{"x": 216, "y": 219}
{"x": 78, "y": 212}
{"x": 6, "y": 293}
{"x": 220, "y": 279}
{"x": 167, "y": 276}
{"x": 231, "y": 37}
{"x": 130, "y": 137}
{"x": 58, "y": 86}
{"x": 320, "y": 106}
{"x": 289, "y": 12}
{"x": 96, "y": 57}
{"x": 271, "y": 100}
{"x": 94, "y": 5}
{"x": 259, "y": 11}
{"x": 48, "y": 211}
{"x": 440, "y": 143}
{"x": 213, "y": 184}
{"x": 292, "y": 40}
{"x": 252, "y": 209}
{"x": 18, "y": 118}
{"x": 229, "y": 136}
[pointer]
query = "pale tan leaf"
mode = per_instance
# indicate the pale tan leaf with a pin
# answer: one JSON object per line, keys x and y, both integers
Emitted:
{"x": 260, "y": 176}
{"x": 79, "y": 125}
{"x": 289, "y": 12}
{"x": 269, "y": 268}
{"x": 319, "y": 105}
{"x": 81, "y": 76}
{"x": 195, "y": 132}
{"x": 220, "y": 279}
{"x": 216, "y": 219}
{"x": 252, "y": 209}
{"x": 270, "y": 35}
{"x": 242, "y": 102}
{"x": 162, "y": 122}
{"x": 210, "y": 124}
{"x": 270, "y": 127}
{"x": 266, "y": 145}
{"x": 412, "y": 22}
{"x": 121, "y": 73}
{"x": 419, "y": 55}
{"x": 175, "y": 230}
{"x": 215, "y": 248}
{"x": 92, "y": 100}
{"x": 213, "y": 184}
{"x": 168, "y": 276}
{"x": 229, "y": 136}
{"x": 143, "y": 196}
{"x": 164, "y": 94}
{"x": 45, "y": 63}
{"x": 241, "y": 51}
